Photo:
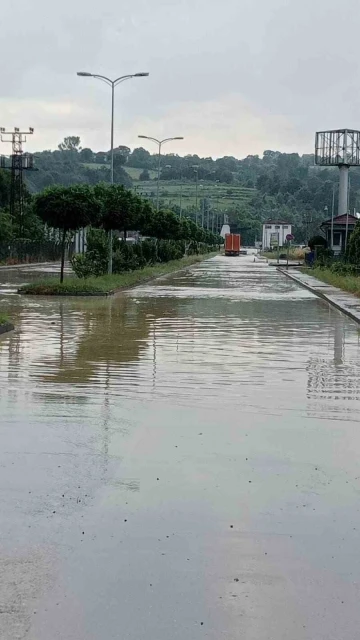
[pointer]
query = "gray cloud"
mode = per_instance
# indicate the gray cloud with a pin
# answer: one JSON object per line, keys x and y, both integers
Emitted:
{"x": 234, "y": 77}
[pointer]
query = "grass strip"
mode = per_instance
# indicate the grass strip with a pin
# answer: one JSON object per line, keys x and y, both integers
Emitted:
{"x": 346, "y": 283}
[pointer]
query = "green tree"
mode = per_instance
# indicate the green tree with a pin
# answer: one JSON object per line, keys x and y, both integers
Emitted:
{"x": 144, "y": 175}
{"x": 68, "y": 209}
{"x": 6, "y": 227}
{"x": 140, "y": 158}
{"x": 71, "y": 143}
{"x": 5, "y": 179}
{"x": 122, "y": 154}
{"x": 317, "y": 241}
{"x": 163, "y": 225}
{"x": 86, "y": 155}
{"x": 353, "y": 248}
{"x": 122, "y": 209}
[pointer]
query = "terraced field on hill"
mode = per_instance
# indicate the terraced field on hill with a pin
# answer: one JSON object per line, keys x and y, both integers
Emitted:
{"x": 220, "y": 196}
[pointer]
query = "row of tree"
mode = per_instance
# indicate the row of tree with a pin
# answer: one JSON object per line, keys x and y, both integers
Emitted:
{"x": 112, "y": 208}
{"x": 280, "y": 185}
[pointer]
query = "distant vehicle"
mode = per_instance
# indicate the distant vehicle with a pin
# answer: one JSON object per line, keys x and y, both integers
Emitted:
{"x": 232, "y": 244}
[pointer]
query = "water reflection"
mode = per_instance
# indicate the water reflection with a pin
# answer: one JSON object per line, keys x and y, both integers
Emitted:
{"x": 226, "y": 328}
{"x": 333, "y": 375}
{"x": 192, "y": 431}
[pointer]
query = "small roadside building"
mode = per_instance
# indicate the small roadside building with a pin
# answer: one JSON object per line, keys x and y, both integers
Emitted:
{"x": 274, "y": 233}
{"x": 338, "y": 231}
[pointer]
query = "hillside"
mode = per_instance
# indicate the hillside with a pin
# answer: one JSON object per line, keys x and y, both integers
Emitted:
{"x": 247, "y": 190}
{"x": 174, "y": 193}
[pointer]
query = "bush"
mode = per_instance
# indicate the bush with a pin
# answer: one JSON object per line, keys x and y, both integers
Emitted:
{"x": 353, "y": 248}
{"x": 317, "y": 241}
{"x": 170, "y": 250}
{"x": 81, "y": 265}
{"x": 324, "y": 257}
{"x": 149, "y": 251}
{"x": 95, "y": 261}
{"x": 343, "y": 269}
{"x": 128, "y": 257}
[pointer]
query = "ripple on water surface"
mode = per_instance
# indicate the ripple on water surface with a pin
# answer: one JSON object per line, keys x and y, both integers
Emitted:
{"x": 190, "y": 449}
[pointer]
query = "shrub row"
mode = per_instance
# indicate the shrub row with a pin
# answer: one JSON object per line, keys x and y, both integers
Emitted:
{"x": 129, "y": 257}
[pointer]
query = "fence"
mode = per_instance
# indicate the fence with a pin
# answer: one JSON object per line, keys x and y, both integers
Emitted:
{"x": 27, "y": 251}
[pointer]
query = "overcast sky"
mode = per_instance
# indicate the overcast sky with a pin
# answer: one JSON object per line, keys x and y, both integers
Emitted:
{"x": 234, "y": 77}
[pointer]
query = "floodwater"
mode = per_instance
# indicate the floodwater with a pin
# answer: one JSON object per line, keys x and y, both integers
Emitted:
{"x": 181, "y": 461}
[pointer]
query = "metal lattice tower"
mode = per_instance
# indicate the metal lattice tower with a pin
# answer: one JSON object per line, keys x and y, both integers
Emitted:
{"x": 339, "y": 148}
{"x": 20, "y": 161}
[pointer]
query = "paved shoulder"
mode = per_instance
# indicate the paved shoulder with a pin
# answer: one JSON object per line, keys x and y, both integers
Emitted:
{"x": 346, "y": 302}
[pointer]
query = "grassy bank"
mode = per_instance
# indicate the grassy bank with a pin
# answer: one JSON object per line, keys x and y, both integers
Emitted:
{"x": 106, "y": 285}
{"x": 5, "y": 324}
{"x": 346, "y": 283}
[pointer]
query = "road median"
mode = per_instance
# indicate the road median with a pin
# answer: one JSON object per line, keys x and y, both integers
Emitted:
{"x": 108, "y": 284}
{"x": 5, "y": 325}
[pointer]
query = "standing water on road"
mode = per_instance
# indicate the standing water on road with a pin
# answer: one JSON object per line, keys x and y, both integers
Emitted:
{"x": 180, "y": 461}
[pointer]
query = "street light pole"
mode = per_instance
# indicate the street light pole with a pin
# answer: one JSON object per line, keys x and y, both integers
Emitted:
{"x": 159, "y": 143}
{"x": 112, "y": 84}
{"x": 158, "y": 179}
{"x": 112, "y": 134}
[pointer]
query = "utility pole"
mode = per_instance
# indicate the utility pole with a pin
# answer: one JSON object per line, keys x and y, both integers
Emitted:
{"x": 196, "y": 171}
{"x": 332, "y": 217}
{"x": 19, "y": 163}
{"x": 181, "y": 185}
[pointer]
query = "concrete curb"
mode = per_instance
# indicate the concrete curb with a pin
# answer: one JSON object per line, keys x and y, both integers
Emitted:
{"x": 7, "y": 326}
{"x": 330, "y": 299}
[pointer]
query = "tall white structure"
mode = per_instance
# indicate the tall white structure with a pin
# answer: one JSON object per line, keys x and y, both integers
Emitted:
{"x": 80, "y": 241}
{"x": 274, "y": 233}
{"x": 339, "y": 148}
{"x": 225, "y": 229}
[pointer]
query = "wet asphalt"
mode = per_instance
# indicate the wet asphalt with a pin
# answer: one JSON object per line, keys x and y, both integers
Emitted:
{"x": 180, "y": 461}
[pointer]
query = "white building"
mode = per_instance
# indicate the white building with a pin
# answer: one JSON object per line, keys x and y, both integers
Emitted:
{"x": 274, "y": 233}
{"x": 225, "y": 229}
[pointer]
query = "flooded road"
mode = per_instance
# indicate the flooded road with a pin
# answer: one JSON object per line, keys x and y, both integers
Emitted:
{"x": 180, "y": 462}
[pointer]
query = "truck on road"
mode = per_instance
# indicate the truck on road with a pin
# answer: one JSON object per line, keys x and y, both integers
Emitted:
{"x": 232, "y": 244}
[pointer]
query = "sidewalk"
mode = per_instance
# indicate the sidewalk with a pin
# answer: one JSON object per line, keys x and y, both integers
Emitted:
{"x": 29, "y": 265}
{"x": 342, "y": 300}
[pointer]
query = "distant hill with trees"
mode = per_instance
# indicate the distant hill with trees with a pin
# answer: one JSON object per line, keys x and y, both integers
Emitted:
{"x": 248, "y": 190}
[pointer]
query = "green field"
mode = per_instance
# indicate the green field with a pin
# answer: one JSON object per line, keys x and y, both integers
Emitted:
{"x": 134, "y": 173}
{"x": 95, "y": 165}
{"x": 220, "y": 196}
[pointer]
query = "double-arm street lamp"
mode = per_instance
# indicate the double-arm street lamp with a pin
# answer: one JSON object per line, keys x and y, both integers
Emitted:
{"x": 160, "y": 144}
{"x": 112, "y": 84}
